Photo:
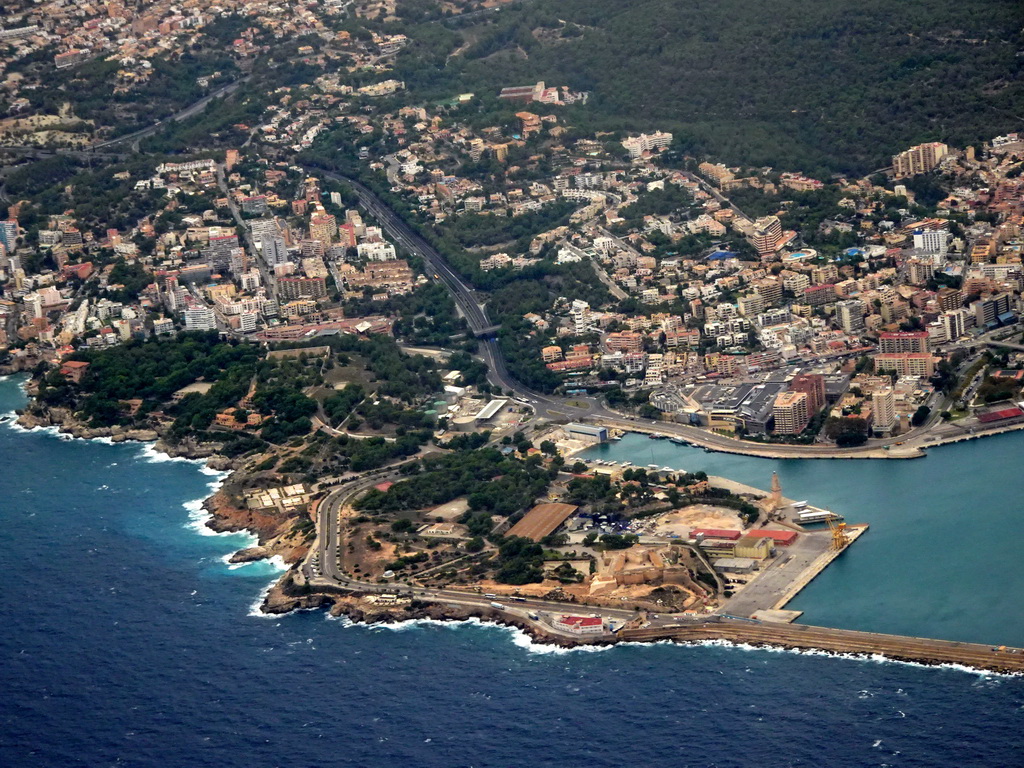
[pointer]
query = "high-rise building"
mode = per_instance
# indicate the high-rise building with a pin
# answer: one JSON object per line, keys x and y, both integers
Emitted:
{"x": 771, "y": 289}
{"x": 323, "y": 227}
{"x": 954, "y": 323}
{"x": 824, "y": 273}
{"x": 812, "y": 385}
{"x": 920, "y": 271}
{"x": 904, "y": 341}
{"x": 750, "y": 305}
{"x": 919, "y": 159}
{"x": 580, "y": 313}
{"x": 949, "y": 299}
{"x": 987, "y": 311}
{"x": 918, "y": 364}
{"x": 220, "y": 251}
{"x": 293, "y": 288}
{"x": 200, "y": 318}
{"x": 766, "y": 235}
{"x": 791, "y": 412}
{"x": 275, "y": 252}
{"x": 851, "y": 315}
{"x": 931, "y": 241}
{"x": 883, "y": 410}
{"x": 9, "y": 234}
{"x": 817, "y": 295}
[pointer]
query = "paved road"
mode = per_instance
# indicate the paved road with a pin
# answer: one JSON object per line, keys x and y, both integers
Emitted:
{"x": 192, "y": 109}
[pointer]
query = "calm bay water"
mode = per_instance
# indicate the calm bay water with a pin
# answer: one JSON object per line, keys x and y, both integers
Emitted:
{"x": 125, "y": 640}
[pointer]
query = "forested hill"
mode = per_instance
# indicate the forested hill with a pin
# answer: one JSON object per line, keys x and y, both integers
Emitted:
{"x": 815, "y": 85}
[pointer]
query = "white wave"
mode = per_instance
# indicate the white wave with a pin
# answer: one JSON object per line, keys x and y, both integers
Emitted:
{"x": 14, "y": 425}
{"x": 198, "y": 517}
{"x": 254, "y": 608}
{"x": 520, "y": 638}
{"x": 154, "y": 456}
{"x": 278, "y": 562}
{"x": 275, "y": 563}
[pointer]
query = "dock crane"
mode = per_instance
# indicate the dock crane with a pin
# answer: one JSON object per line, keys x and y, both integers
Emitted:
{"x": 840, "y": 539}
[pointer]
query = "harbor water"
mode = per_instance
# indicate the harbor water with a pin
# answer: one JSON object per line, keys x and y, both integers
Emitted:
{"x": 940, "y": 559}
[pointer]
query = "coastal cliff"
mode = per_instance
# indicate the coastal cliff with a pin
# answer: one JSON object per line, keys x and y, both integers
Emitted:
{"x": 276, "y": 533}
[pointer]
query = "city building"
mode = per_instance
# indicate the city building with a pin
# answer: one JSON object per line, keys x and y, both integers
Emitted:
{"x": 904, "y": 341}
{"x": 918, "y": 364}
{"x": 954, "y": 323}
{"x": 791, "y": 412}
{"x": 883, "y": 411}
{"x": 766, "y": 235}
{"x": 919, "y": 159}
{"x": 637, "y": 145}
{"x": 200, "y": 319}
{"x": 813, "y": 385}
{"x": 992, "y": 311}
{"x": 851, "y": 315}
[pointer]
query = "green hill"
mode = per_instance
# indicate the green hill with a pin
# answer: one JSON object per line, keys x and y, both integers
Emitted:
{"x": 815, "y": 85}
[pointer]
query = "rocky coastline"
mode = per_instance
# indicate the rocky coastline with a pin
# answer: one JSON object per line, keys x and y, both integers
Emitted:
{"x": 287, "y": 596}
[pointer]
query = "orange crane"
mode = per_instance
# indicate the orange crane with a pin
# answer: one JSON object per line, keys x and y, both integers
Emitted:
{"x": 839, "y": 536}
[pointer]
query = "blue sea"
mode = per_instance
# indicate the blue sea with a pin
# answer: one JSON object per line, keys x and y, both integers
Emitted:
{"x": 125, "y": 640}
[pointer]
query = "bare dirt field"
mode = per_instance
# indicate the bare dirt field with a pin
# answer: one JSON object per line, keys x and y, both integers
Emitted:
{"x": 682, "y": 521}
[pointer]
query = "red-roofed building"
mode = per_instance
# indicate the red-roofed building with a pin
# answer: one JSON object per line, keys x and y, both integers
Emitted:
{"x": 580, "y": 625}
{"x": 81, "y": 271}
{"x": 73, "y": 370}
{"x": 715, "y": 533}
{"x": 383, "y": 487}
{"x": 785, "y": 538}
{"x": 1005, "y": 413}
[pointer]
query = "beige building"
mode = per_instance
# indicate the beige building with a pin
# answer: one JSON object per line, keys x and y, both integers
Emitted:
{"x": 918, "y": 364}
{"x": 792, "y": 412}
{"x": 883, "y": 409}
{"x": 754, "y": 547}
{"x": 766, "y": 235}
{"x": 919, "y": 159}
